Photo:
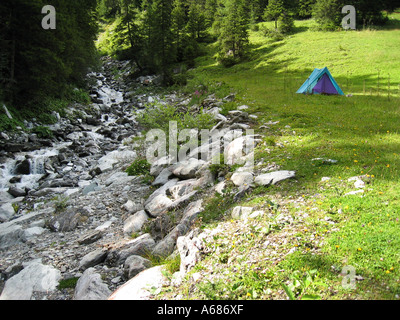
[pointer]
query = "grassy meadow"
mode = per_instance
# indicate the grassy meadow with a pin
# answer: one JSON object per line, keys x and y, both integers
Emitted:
{"x": 329, "y": 230}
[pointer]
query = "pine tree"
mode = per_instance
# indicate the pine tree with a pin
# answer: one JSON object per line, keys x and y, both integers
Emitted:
{"x": 179, "y": 27}
{"x": 274, "y": 10}
{"x": 196, "y": 20}
{"x": 158, "y": 36}
{"x": 231, "y": 26}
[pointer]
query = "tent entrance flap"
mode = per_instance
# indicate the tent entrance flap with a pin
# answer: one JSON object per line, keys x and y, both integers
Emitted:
{"x": 325, "y": 86}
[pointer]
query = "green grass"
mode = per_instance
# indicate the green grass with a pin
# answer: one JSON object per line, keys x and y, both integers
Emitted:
{"x": 328, "y": 230}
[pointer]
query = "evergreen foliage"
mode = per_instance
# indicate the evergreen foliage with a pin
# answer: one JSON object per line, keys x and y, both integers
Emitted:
{"x": 36, "y": 63}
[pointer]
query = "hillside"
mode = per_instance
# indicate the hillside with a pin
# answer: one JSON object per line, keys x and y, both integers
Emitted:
{"x": 314, "y": 228}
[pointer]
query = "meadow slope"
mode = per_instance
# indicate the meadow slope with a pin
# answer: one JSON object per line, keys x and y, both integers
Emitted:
{"x": 327, "y": 229}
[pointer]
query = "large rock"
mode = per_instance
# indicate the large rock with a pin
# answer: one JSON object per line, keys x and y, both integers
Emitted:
{"x": 237, "y": 150}
{"x": 274, "y": 177}
{"x": 191, "y": 212}
{"x": 207, "y": 151}
{"x": 66, "y": 221}
{"x": 189, "y": 248}
{"x": 11, "y": 235}
{"x": 167, "y": 245}
{"x": 35, "y": 277}
{"x": 24, "y": 167}
{"x": 90, "y": 286}
{"x": 140, "y": 246}
{"x": 90, "y": 237}
{"x": 107, "y": 162}
{"x": 141, "y": 286}
{"x": 172, "y": 195}
{"x": 135, "y": 222}
{"x": 132, "y": 207}
{"x": 159, "y": 165}
{"x": 6, "y": 212}
{"x": 16, "y": 192}
{"x": 163, "y": 177}
{"x": 159, "y": 205}
{"x": 134, "y": 265}
{"x": 187, "y": 169}
{"x": 242, "y": 178}
{"x": 93, "y": 258}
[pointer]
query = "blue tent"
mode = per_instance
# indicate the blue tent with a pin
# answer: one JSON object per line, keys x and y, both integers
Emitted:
{"x": 320, "y": 81}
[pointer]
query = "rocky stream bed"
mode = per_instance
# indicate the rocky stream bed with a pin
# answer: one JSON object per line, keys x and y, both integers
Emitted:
{"x": 70, "y": 212}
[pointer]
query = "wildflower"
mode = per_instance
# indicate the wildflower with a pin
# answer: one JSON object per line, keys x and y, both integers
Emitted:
{"x": 359, "y": 249}
{"x": 337, "y": 246}
{"x": 355, "y": 161}
{"x": 248, "y": 294}
{"x": 387, "y": 271}
{"x": 372, "y": 176}
{"x": 388, "y": 165}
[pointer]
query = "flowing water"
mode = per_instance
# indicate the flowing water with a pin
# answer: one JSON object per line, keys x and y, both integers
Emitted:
{"x": 37, "y": 159}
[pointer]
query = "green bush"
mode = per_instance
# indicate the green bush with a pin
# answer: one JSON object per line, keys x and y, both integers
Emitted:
{"x": 42, "y": 132}
{"x": 139, "y": 167}
{"x": 158, "y": 116}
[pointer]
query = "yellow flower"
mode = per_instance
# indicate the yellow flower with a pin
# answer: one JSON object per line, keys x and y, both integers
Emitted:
{"x": 387, "y": 271}
{"x": 388, "y": 165}
{"x": 337, "y": 246}
{"x": 392, "y": 268}
{"x": 248, "y": 294}
{"x": 355, "y": 161}
{"x": 372, "y": 176}
{"x": 359, "y": 249}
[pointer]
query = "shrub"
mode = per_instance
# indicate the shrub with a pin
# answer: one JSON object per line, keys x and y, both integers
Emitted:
{"x": 42, "y": 132}
{"x": 158, "y": 116}
{"x": 139, "y": 167}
